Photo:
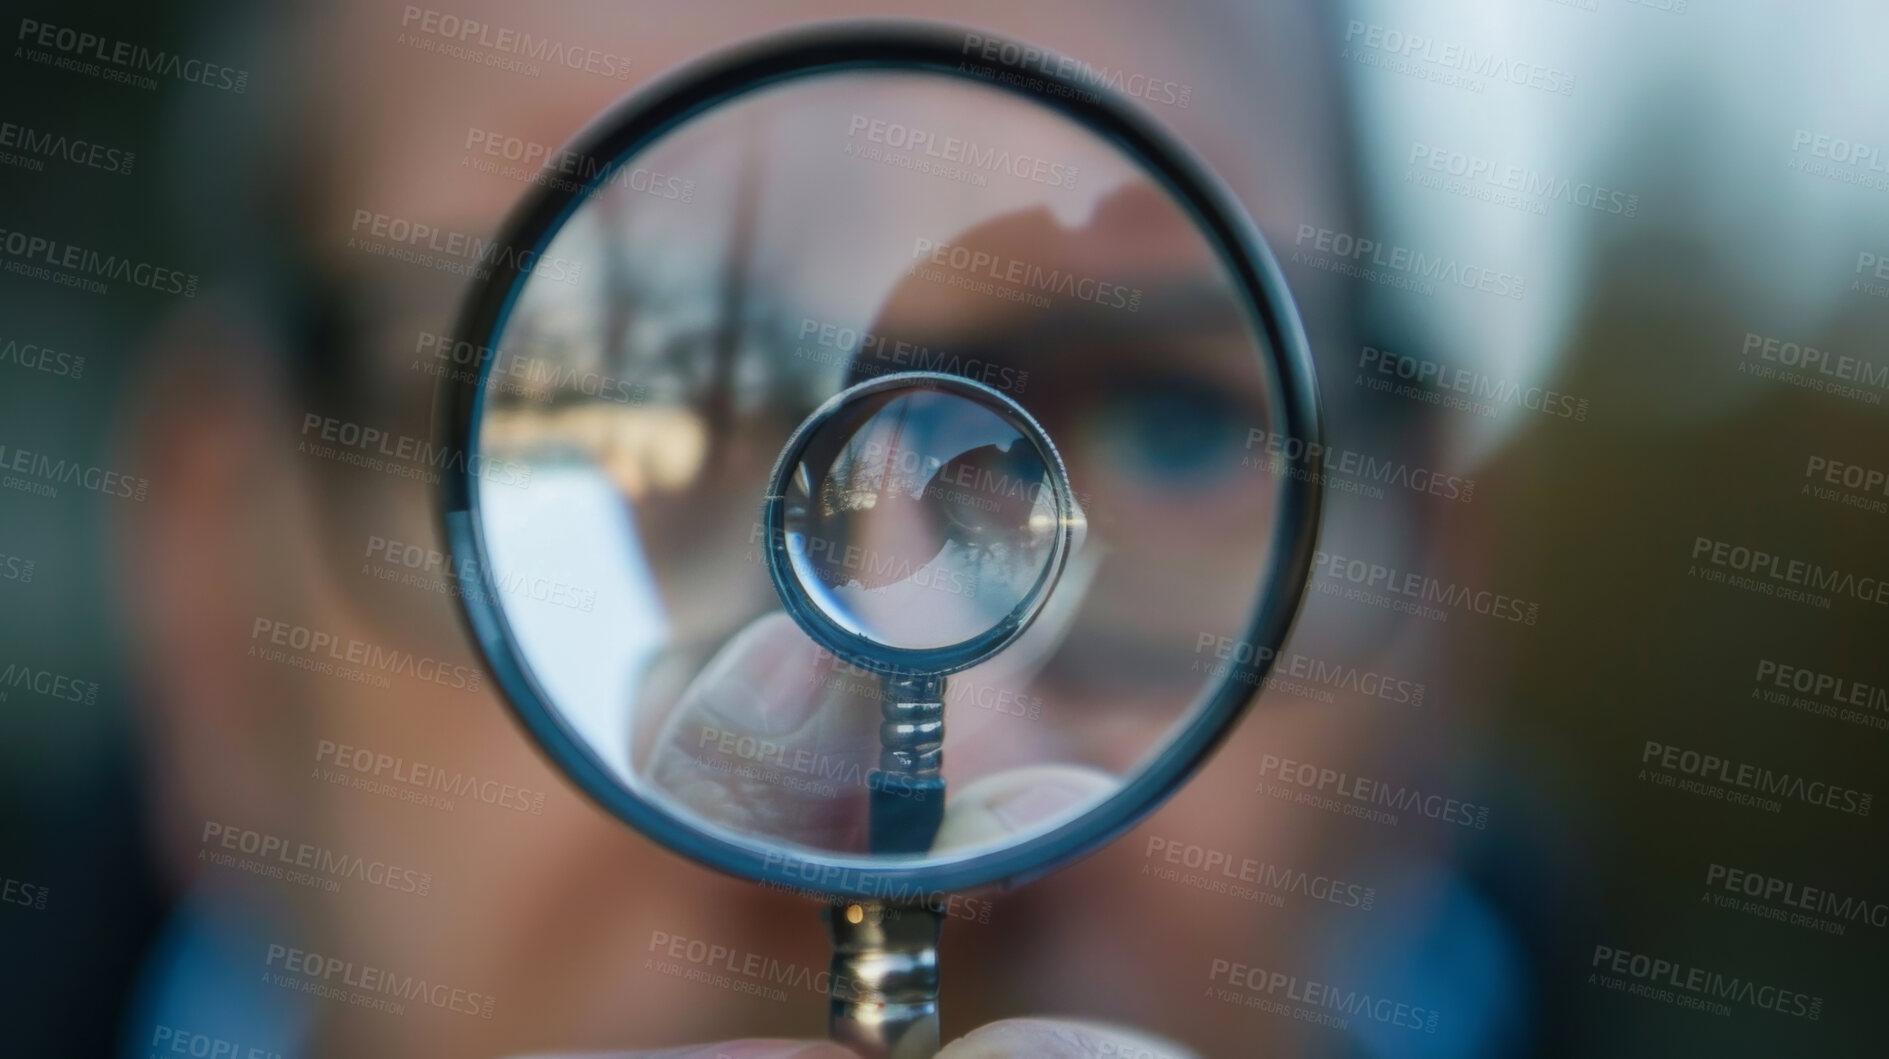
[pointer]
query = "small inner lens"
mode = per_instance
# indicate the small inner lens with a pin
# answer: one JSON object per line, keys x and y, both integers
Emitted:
{"x": 921, "y": 518}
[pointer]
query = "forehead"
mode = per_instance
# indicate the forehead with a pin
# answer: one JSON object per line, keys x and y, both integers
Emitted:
{"x": 398, "y": 87}
{"x": 422, "y": 83}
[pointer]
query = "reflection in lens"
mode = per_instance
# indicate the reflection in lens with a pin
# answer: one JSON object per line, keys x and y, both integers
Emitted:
{"x": 920, "y": 518}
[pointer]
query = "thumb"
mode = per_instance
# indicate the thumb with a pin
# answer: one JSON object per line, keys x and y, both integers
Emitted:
{"x": 1017, "y": 800}
{"x": 774, "y": 740}
{"x": 1060, "y": 1039}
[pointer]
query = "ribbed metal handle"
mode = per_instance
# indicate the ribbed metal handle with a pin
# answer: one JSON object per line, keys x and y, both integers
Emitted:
{"x": 911, "y": 736}
{"x": 906, "y": 799}
{"x": 884, "y": 982}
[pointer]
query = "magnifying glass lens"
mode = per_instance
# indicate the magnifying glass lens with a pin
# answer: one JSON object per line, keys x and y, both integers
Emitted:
{"x": 918, "y": 518}
{"x": 875, "y": 432}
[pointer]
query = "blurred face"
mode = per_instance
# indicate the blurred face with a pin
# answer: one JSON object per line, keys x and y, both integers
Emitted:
{"x": 314, "y": 685}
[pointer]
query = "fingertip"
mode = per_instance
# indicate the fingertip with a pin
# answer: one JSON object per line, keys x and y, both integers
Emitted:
{"x": 1061, "y": 1039}
{"x": 757, "y": 685}
{"x": 765, "y": 646}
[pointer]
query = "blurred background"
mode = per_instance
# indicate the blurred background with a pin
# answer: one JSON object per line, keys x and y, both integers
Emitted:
{"x": 1591, "y": 688}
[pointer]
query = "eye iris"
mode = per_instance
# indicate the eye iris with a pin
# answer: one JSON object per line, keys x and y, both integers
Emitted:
{"x": 1177, "y": 430}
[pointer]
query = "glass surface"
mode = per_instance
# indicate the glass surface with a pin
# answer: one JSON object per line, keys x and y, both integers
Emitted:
{"x": 919, "y": 518}
{"x": 712, "y": 292}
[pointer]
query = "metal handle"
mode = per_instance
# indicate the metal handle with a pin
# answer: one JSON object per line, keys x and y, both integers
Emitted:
{"x": 883, "y": 989}
{"x": 906, "y": 797}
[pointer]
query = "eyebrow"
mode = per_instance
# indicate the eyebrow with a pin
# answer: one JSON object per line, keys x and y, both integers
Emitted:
{"x": 1193, "y": 310}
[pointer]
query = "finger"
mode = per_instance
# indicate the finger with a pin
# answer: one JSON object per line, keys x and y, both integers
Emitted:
{"x": 1060, "y": 1039}
{"x": 773, "y": 739}
{"x": 994, "y": 807}
{"x": 751, "y": 1048}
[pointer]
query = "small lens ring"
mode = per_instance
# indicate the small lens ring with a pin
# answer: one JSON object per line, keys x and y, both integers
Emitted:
{"x": 856, "y": 648}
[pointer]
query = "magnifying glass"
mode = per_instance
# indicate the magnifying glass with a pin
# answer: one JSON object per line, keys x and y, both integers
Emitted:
{"x": 868, "y": 485}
